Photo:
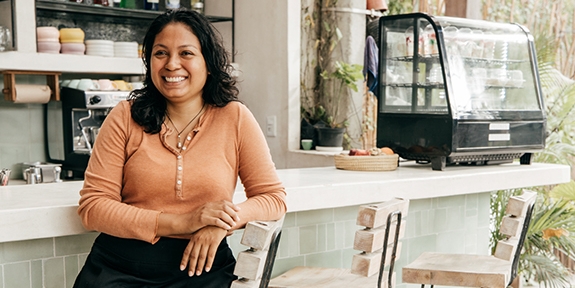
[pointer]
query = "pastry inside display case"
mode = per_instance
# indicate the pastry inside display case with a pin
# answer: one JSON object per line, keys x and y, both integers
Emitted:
{"x": 458, "y": 91}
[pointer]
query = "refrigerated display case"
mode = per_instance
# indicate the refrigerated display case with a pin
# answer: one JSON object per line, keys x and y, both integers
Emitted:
{"x": 455, "y": 91}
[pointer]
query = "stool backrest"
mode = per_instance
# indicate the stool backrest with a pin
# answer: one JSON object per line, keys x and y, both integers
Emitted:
{"x": 254, "y": 266}
{"x": 383, "y": 223}
{"x": 514, "y": 227}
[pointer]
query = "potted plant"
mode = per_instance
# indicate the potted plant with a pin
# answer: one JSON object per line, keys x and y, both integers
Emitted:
{"x": 326, "y": 78}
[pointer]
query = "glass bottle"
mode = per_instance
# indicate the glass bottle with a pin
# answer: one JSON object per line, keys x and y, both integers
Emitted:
{"x": 151, "y": 4}
{"x": 131, "y": 4}
{"x": 197, "y": 5}
{"x": 172, "y": 4}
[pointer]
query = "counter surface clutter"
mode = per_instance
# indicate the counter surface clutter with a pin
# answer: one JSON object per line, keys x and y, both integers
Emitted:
{"x": 49, "y": 210}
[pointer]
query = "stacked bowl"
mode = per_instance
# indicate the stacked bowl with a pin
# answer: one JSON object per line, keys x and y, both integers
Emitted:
{"x": 126, "y": 49}
{"x": 47, "y": 37}
{"x": 72, "y": 40}
{"x": 99, "y": 47}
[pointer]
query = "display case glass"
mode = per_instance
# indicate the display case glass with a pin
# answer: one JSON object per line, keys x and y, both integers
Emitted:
{"x": 458, "y": 91}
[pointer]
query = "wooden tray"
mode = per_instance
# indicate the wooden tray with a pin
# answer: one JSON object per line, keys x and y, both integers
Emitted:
{"x": 366, "y": 163}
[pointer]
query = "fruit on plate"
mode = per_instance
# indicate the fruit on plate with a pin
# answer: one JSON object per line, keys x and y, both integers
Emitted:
{"x": 371, "y": 152}
{"x": 386, "y": 151}
{"x": 358, "y": 152}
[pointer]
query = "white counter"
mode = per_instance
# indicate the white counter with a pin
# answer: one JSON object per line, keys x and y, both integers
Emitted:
{"x": 49, "y": 210}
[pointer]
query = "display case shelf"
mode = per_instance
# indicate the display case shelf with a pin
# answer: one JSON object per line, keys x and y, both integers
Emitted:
{"x": 431, "y": 59}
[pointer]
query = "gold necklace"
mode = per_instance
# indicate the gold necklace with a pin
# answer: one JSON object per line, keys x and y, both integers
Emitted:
{"x": 180, "y": 132}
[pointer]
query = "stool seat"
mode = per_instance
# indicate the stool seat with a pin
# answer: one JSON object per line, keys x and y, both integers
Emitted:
{"x": 466, "y": 270}
{"x": 318, "y": 277}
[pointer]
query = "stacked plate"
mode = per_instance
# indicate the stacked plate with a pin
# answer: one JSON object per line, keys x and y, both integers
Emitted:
{"x": 48, "y": 39}
{"x": 98, "y": 47}
{"x": 72, "y": 40}
{"x": 126, "y": 49}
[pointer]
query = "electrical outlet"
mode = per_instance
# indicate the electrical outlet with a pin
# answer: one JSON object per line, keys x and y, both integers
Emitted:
{"x": 271, "y": 126}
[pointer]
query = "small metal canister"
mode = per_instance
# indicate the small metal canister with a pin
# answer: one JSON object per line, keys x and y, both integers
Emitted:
{"x": 4, "y": 176}
{"x": 45, "y": 172}
{"x": 33, "y": 175}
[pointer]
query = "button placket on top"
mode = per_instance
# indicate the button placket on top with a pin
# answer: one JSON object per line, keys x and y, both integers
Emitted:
{"x": 180, "y": 165}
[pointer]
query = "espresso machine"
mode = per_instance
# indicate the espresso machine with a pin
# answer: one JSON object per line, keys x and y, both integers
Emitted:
{"x": 73, "y": 124}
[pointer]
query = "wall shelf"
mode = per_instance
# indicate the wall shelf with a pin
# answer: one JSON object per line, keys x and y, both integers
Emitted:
{"x": 69, "y": 63}
{"x": 25, "y": 58}
{"x": 73, "y": 7}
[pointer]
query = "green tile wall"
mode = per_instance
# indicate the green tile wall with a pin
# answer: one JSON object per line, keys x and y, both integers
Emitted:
{"x": 23, "y": 138}
{"x": 322, "y": 238}
{"x": 43, "y": 263}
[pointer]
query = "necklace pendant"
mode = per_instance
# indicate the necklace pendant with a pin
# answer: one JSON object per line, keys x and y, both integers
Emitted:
{"x": 179, "y": 145}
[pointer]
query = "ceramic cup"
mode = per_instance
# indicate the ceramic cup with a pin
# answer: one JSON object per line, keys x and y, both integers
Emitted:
{"x": 74, "y": 83}
{"x": 123, "y": 85}
{"x": 65, "y": 83}
{"x": 88, "y": 84}
{"x": 107, "y": 85}
{"x": 306, "y": 144}
{"x": 137, "y": 85}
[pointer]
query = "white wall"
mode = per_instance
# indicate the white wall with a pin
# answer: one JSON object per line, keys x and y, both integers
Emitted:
{"x": 267, "y": 42}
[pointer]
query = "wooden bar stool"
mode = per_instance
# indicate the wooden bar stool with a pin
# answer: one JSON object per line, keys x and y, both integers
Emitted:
{"x": 468, "y": 270}
{"x": 380, "y": 248}
{"x": 254, "y": 266}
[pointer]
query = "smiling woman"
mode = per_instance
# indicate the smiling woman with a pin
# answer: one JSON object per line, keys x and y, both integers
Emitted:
{"x": 159, "y": 231}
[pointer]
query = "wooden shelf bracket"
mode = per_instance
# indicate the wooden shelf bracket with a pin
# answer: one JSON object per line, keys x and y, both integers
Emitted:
{"x": 10, "y": 82}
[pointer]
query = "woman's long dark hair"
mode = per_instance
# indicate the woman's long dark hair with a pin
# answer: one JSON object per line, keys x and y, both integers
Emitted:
{"x": 149, "y": 105}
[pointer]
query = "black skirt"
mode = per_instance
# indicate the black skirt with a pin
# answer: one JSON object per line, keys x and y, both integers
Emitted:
{"x": 118, "y": 262}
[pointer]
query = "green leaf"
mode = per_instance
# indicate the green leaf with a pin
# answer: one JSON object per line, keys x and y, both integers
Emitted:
{"x": 338, "y": 34}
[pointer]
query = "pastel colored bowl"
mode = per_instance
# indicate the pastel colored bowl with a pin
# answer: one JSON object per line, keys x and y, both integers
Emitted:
{"x": 71, "y": 35}
{"x": 47, "y": 33}
{"x": 101, "y": 42}
{"x": 73, "y": 48}
{"x": 105, "y": 53}
{"x": 127, "y": 45}
{"x": 49, "y": 47}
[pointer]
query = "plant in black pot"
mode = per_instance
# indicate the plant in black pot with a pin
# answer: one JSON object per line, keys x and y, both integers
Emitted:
{"x": 326, "y": 80}
{"x": 343, "y": 76}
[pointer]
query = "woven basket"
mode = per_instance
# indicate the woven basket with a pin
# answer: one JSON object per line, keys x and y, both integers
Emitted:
{"x": 366, "y": 163}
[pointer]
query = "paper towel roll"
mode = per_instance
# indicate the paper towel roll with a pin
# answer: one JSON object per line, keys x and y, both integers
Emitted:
{"x": 31, "y": 93}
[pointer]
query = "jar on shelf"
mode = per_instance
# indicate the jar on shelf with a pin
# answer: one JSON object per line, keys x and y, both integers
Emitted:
{"x": 172, "y": 4}
{"x": 101, "y": 2}
{"x": 430, "y": 41}
{"x": 197, "y": 5}
{"x": 152, "y": 4}
{"x": 131, "y": 4}
{"x": 409, "y": 41}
